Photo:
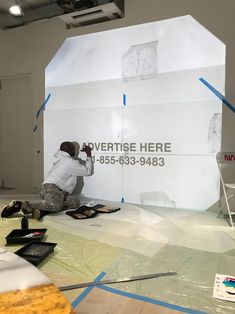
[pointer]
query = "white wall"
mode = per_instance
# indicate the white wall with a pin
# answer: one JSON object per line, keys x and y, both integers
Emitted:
{"x": 29, "y": 49}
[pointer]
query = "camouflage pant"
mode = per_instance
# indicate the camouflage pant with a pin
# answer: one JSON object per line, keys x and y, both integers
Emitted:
{"x": 54, "y": 199}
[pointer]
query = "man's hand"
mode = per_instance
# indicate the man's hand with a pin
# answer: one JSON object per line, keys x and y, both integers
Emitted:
{"x": 87, "y": 150}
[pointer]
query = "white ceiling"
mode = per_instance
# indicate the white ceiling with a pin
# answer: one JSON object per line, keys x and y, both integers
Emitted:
{"x": 33, "y": 10}
{"x": 29, "y": 4}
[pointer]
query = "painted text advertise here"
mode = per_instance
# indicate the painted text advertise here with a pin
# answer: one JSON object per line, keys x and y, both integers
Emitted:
{"x": 143, "y": 153}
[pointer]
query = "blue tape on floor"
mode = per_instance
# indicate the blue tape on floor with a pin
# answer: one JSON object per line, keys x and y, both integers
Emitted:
{"x": 124, "y": 100}
{"x": 42, "y": 108}
{"x": 87, "y": 290}
{"x": 149, "y": 300}
{"x": 217, "y": 94}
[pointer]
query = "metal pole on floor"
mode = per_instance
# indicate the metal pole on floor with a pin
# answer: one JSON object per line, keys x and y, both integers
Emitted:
{"x": 113, "y": 281}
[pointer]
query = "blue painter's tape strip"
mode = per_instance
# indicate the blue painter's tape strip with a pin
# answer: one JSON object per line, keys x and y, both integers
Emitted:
{"x": 87, "y": 290}
{"x": 149, "y": 300}
{"x": 42, "y": 108}
{"x": 124, "y": 100}
{"x": 217, "y": 94}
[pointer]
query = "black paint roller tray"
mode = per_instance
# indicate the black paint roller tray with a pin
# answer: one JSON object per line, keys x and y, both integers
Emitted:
{"x": 18, "y": 236}
{"x": 36, "y": 252}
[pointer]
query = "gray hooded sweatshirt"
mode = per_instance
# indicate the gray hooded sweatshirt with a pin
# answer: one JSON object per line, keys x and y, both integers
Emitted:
{"x": 65, "y": 171}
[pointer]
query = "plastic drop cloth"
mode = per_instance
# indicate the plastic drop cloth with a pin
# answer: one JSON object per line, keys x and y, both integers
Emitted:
{"x": 79, "y": 257}
{"x": 192, "y": 287}
{"x": 74, "y": 259}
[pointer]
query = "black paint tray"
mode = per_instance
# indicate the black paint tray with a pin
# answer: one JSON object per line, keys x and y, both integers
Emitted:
{"x": 18, "y": 236}
{"x": 36, "y": 252}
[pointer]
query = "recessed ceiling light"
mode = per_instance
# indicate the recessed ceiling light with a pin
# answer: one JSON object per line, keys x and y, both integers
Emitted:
{"x": 16, "y": 10}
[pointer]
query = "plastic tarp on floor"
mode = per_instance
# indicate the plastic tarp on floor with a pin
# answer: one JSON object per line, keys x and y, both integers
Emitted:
{"x": 137, "y": 241}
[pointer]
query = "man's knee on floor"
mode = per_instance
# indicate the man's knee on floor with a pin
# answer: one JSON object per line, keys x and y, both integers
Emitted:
{"x": 53, "y": 206}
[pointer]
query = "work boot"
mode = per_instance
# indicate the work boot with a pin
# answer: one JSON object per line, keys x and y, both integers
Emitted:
{"x": 13, "y": 208}
{"x": 36, "y": 214}
{"x": 30, "y": 212}
{"x": 26, "y": 208}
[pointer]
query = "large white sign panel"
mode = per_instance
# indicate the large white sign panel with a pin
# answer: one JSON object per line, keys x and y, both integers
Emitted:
{"x": 134, "y": 96}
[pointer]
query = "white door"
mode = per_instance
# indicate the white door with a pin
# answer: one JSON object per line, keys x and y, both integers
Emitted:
{"x": 16, "y": 132}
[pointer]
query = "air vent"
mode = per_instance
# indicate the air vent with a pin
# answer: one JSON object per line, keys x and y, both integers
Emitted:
{"x": 101, "y": 13}
{"x": 87, "y": 14}
{"x": 94, "y": 21}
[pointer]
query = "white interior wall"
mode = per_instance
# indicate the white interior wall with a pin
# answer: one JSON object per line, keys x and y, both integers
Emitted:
{"x": 28, "y": 49}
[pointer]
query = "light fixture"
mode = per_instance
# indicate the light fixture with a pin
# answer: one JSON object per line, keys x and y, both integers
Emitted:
{"x": 16, "y": 10}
